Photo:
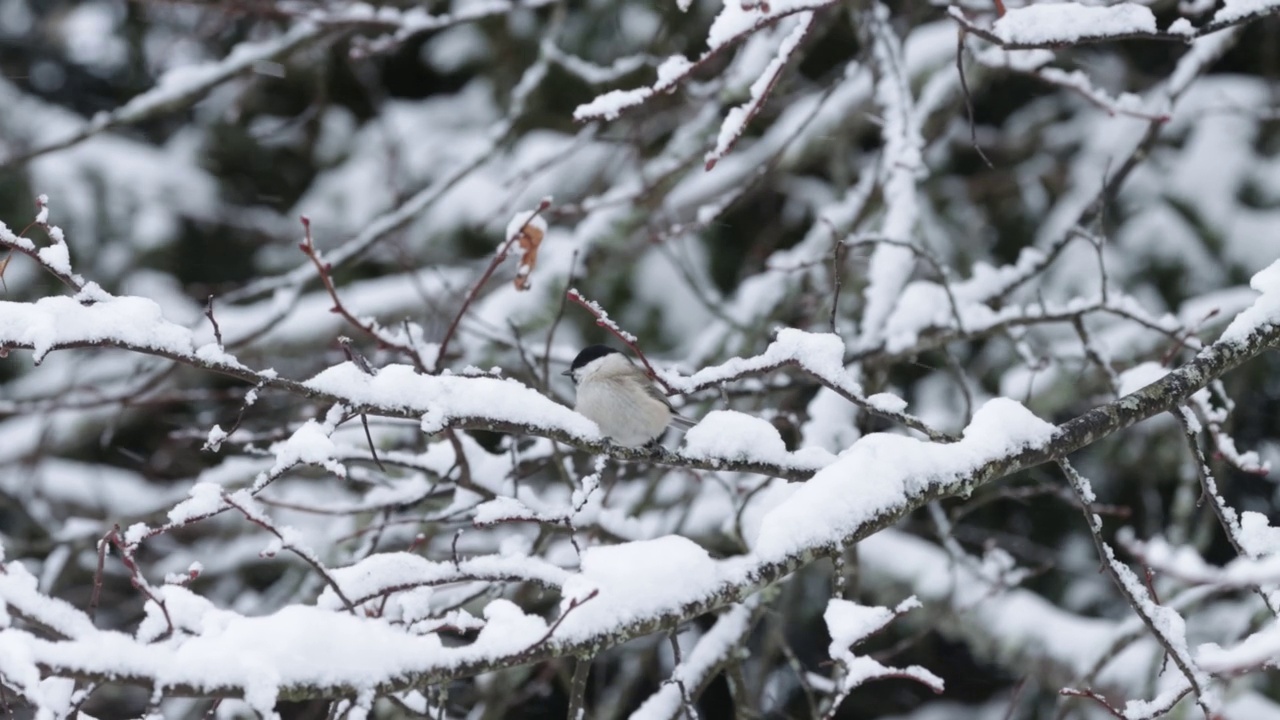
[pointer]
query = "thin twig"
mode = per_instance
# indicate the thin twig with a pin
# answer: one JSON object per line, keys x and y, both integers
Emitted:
{"x": 551, "y": 333}
{"x": 686, "y": 700}
{"x": 1146, "y": 608}
{"x": 484, "y": 278}
{"x": 359, "y": 361}
{"x": 369, "y": 327}
{"x": 573, "y": 605}
{"x": 837, "y": 263}
{"x": 208, "y": 312}
{"x": 307, "y": 556}
{"x": 968, "y": 97}
{"x": 602, "y": 319}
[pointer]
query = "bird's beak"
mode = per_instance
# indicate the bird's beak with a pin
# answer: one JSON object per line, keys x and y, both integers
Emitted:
{"x": 567, "y": 373}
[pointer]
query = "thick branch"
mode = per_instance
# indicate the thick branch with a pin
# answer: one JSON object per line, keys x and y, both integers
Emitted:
{"x": 1160, "y": 396}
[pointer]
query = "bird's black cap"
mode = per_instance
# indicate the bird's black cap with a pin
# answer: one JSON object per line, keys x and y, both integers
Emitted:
{"x": 588, "y": 354}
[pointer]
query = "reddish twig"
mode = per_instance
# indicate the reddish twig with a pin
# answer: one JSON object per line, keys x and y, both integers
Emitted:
{"x": 307, "y": 556}
{"x": 488, "y": 272}
{"x": 370, "y": 327}
{"x": 573, "y": 605}
{"x": 1152, "y": 713}
{"x": 135, "y": 575}
{"x": 1091, "y": 695}
{"x": 602, "y": 319}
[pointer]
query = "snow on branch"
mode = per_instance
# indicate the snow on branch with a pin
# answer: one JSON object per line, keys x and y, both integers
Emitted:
{"x": 849, "y": 624}
{"x": 819, "y": 355}
{"x": 735, "y": 22}
{"x": 630, "y": 594}
{"x": 735, "y": 123}
{"x": 1034, "y": 63}
{"x": 901, "y": 169}
{"x": 1056, "y": 25}
{"x": 54, "y": 258}
{"x": 1187, "y": 565}
{"x": 471, "y": 522}
{"x": 713, "y": 651}
{"x": 1165, "y": 623}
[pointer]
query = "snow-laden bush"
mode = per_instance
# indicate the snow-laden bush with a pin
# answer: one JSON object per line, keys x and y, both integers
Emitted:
{"x": 970, "y": 302}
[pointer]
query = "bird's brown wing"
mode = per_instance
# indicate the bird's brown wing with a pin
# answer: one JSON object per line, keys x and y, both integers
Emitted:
{"x": 676, "y": 417}
{"x": 656, "y": 394}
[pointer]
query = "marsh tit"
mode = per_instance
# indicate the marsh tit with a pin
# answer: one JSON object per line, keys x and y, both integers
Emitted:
{"x": 616, "y": 395}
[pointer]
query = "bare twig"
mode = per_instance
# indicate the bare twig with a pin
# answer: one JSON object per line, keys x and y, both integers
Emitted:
{"x": 602, "y": 319}
{"x": 309, "y": 557}
{"x": 369, "y": 327}
{"x": 573, "y": 605}
{"x": 555, "y": 324}
{"x": 497, "y": 260}
{"x": 968, "y": 97}
{"x": 208, "y": 312}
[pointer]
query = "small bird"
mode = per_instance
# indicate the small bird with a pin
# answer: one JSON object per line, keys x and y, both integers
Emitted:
{"x": 619, "y": 397}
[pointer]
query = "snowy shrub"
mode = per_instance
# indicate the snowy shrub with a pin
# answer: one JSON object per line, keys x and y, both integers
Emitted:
{"x": 971, "y": 303}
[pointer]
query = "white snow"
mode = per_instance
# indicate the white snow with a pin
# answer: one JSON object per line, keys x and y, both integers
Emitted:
{"x": 1235, "y": 10}
{"x": 821, "y": 354}
{"x": 887, "y": 402}
{"x": 1063, "y": 23}
{"x": 444, "y": 399}
{"x": 874, "y": 476}
{"x": 53, "y": 322}
{"x": 1140, "y": 376}
{"x": 1257, "y": 535}
{"x": 848, "y": 624}
{"x": 731, "y": 434}
{"x": 1265, "y": 309}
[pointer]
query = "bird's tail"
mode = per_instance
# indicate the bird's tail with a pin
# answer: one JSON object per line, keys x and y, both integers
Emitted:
{"x": 682, "y": 422}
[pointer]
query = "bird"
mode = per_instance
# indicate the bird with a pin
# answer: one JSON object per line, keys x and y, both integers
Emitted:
{"x": 619, "y": 398}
